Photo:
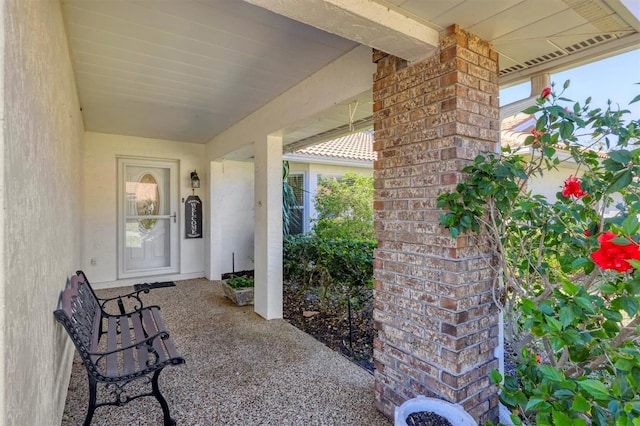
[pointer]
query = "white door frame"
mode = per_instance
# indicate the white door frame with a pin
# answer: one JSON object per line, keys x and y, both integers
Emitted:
{"x": 172, "y": 217}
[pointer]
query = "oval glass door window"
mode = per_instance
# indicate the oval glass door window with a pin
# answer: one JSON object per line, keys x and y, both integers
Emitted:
{"x": 147, "y": 201}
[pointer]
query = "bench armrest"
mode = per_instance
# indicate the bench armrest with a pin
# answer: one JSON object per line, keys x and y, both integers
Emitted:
{"x": 119, "y": 301}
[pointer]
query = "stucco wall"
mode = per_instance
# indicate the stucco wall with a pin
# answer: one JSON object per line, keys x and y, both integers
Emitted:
{"x": 100, "y": 195}
{"x": 232, "y": 215}
{"x": 41, "y": 209}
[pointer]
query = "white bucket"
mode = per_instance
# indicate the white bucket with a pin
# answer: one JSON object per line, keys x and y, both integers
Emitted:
{"x": 456, "y": 415}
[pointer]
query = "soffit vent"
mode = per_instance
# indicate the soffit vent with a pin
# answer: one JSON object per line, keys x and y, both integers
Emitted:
{"x": 533, "y": 62}
{"x": 590, "y": 42}
{"x": 514, "y": 68}
{"x": 568, "y": 50}
{"x": 599, "y": 15}
{"x": 544, "y": 58}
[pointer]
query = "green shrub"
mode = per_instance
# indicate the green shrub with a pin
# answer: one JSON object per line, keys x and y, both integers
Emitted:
{"x": 345, "y": 208}
{"x": 329, "y": 264}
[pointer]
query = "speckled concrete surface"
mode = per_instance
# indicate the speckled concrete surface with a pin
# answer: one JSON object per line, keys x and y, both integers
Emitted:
{"x": 240, "y": 370}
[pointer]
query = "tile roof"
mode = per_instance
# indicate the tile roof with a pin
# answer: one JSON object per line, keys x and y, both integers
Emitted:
{"x": 356, "y": 146}
{"x": 517, "y": 128}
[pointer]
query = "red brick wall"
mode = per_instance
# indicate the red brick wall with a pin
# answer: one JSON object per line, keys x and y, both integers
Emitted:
{"x": 434, "y": 313}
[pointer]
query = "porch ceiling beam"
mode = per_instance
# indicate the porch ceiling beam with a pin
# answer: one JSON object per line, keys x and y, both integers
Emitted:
{"x": 364, "y": 21}
{"x": 342, "y": 80}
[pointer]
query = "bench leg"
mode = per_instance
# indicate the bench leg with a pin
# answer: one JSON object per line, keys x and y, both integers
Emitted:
{"x": 168, "y": 421}
{"x": 92, "y": 401}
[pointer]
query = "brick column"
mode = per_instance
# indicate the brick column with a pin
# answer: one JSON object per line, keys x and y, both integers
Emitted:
{"x": 434, "y": 313}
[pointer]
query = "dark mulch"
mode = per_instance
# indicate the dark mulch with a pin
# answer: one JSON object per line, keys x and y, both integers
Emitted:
{"x": 327, "y": 320}
{"x": 426, "y": 418}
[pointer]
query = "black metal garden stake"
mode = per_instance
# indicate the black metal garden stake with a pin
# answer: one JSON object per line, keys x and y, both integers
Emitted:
{"x": 350, "y": 326}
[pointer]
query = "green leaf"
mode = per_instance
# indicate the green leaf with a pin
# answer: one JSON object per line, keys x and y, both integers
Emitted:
{"x": 566, "y": 130}
{"x": 528, "y": 306}
{"x": 554, "y": 323}
{"x": 572, "y": 336}
{"x": 556, "y": 110}
{"x": 608, "y": 288}
{"x": 560, "y": 418}
{"x": 621, "y": 241}
{"x": 495, "y": 376}
{"x": 620, "y": 180}
{"x": 549, "y": 151}
{"x": 580, "y": 404}
{"x": 630, "y": 225}
{"x": 594, "y": 388}
{"x": 534, "y": 403}
{"x": 620, "y": 156}
{"x": 516, "y": 420}
{"x": 551, "y": 373}
{"x": 629, "y": 304}
{"x": 612, "y": 315}
{"x": 454, "y": 232}
{"x": 546, "y": 308}
{"x": 599, "y": 416}
{"x": 584, "y": 303}
{"x": 511, "y": 383}
{"x": 579, "y": 262}
{"x": 611, "y": 327}
{"x": 557, "y": 343}
{"x": 564, "y": 393}
{"x": 566, "y": 315}
{"x": 636, "y": 99}
{"x": 508, "y": 399}
{"x": 531, "y": 110}
{"x": 624, "y": 364}
{"x": 570, "y": 288}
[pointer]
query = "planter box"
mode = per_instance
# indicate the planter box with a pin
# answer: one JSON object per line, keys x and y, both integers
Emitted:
{"x": 456, "y": 415}
{"x": 239, "y": 296}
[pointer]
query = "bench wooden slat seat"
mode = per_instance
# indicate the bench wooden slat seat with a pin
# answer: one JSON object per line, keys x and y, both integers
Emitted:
{"x": 137, "y": 345}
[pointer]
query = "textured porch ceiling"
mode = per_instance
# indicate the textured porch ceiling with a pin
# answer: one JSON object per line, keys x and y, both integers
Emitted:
{"x": 186, "y": 70}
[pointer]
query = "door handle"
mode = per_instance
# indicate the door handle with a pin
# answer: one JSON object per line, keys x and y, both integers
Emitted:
{"x": 174, "y": 217}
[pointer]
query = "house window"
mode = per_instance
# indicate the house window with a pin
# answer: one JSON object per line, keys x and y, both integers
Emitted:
{"x": 297, "y": 225}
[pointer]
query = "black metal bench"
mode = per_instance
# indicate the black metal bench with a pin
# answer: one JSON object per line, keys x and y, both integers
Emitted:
{"x": 120, "y": 351}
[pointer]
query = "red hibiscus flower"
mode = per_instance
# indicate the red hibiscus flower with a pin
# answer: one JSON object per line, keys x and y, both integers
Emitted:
{"x": 536, "y": 134}
{"x": 545, "y": 92}
{"x": 614, "y": 256}
{"x": 572, "y": 187}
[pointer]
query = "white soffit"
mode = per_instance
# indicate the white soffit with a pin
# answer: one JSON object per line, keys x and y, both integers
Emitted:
{"x": 186, "y": 70}
{"x": 364, "y": 21}
{"x": 533, "y": 36}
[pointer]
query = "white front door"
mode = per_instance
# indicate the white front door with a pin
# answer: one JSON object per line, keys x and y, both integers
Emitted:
{"x": 147, "y": 221}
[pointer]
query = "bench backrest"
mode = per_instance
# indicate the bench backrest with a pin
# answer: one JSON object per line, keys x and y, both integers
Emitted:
{"x": 80, "y": 314}
{"x": 85, "y": 280}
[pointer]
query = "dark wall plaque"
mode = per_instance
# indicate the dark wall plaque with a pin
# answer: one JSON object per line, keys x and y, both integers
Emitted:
{"x": 193, "y": 217}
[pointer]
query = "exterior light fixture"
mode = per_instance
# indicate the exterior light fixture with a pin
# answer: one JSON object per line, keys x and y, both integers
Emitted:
{"x": 195, "y": 180}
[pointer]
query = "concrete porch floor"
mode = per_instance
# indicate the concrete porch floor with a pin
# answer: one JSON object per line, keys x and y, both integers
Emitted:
{"x": 240, "y": 370}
